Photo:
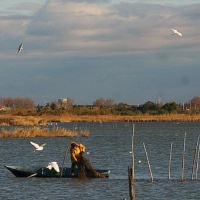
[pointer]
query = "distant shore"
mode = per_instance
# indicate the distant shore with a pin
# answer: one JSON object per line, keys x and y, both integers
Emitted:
{"x": 6, "y": 120}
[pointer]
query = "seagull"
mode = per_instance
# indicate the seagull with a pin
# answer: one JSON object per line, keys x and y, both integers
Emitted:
{"x": 53, "y": 165}
{"x": 20, "y": 48}
{"x": 177, "y": 32}
{"x": 38, "y": 147}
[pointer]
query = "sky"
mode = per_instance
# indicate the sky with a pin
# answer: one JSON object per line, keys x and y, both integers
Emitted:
{"x": 88, "y": 49}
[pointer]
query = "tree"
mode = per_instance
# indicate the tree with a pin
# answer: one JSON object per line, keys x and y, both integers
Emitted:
{"x": 170, "y": 107}
{"x": 25, "y": 103}
{"x": 104, "y": 102}
{"x": 99, "y": 102}
{"x": 149, "y": 107}
{"x": 53, "y": 106}
{"x": 18, "y": 102}
{"x": 109, "y": 102}
{"x": 8, "y": 102}
{"x": 195, "y": 102}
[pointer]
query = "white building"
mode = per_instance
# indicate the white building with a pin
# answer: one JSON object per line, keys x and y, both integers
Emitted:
{"x": 62, "y": 100}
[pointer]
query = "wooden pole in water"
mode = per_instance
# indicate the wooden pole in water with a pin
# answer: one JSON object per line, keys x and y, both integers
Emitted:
{"x": 133, "y": 158}
{"x": 64, "y": 161}
{"x": 170, "y": 159}
{"x": 183, "y": 159}
{"x": 131, "y": 173}
{"x": 150, "y": 172}
{"x": 195, "y": 159}
{"x": 197, "y": 163}
{"x": 131, "y": 183}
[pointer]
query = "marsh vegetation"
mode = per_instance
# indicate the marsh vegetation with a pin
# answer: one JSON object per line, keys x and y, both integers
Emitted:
{"x": 30, "y": 132}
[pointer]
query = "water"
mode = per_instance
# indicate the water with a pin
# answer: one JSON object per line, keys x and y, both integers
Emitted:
{"x": 108, "y": 145}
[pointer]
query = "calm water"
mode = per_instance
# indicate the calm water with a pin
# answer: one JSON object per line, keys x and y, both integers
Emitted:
{"x": 108, "y": 145}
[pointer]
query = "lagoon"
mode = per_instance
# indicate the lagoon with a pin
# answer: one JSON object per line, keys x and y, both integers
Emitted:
{"x": 108, "y": 146}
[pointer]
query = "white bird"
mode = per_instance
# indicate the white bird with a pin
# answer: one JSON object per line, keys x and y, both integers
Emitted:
{"x": 53, "y": 165}
{"x": 177, "y": 32}
{"x": 38, "y": 147}
{"x": 20, "y": 48}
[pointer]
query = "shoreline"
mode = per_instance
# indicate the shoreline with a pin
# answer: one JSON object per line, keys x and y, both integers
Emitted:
{"x": 7, "y": 119}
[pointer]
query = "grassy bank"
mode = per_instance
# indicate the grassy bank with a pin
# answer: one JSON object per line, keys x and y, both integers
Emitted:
{"x": 7, "y": 120}
{"x": 42, "y": 132}
{"x": 35, "y": 131}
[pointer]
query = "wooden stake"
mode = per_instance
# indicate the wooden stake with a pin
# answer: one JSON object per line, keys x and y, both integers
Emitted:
{"x": 170, "y": 158}
{"x": 197, "y": 163}
{"x": 183, "y": 159}
{"x": 131, "y": 173}
{"x": 133, "y": 159}
{"x": 64, "y": 161}
{"x": 131, "y": 183}
{"x": 195, "y": 159}
{"x": 150, "y": 172}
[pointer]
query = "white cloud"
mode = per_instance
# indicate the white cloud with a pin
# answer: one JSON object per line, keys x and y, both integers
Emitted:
{"x": 77, "y": 26}
{"x": 61, "y": 26}
{"x": 134, "y": 41}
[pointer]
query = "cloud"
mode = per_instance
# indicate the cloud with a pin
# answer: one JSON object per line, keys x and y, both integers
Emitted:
{"x": 98, "y": 27}
{"x": 126, "y": 50}
{"x": 62, "y": 27}
{"x": 25, "y": 7}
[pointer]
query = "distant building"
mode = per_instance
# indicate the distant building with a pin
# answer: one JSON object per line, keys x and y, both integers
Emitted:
{"x": 63, "y": 101}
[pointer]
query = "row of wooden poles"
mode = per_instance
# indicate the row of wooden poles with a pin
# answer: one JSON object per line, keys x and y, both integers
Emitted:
{"x": 195, "y": 166}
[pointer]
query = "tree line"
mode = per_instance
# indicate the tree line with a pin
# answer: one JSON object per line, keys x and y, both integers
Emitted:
{"x": 101, "y": 106}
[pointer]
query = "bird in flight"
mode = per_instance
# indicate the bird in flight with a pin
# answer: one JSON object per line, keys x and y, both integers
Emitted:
{"x": 177, "y": 32}
{"x": 38, "y": 147}
{"x": 20, "y": 48}
{"x": 53, "y": 165}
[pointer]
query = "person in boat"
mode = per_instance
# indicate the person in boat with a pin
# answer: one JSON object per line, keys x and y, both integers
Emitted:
{"x": 76, "y": 150}
{"x": 83, "y": 164}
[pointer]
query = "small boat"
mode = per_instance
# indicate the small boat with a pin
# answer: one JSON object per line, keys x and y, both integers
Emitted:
{"x": 44, "y": 172}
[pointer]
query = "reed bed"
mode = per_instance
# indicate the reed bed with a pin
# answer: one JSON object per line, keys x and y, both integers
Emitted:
{"x": 84, "y": 133}
{"x": 10, "y": 120}
{"x": 41, "y": 132}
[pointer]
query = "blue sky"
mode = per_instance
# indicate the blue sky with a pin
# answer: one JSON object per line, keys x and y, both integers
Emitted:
{"x": 84, "y": 50}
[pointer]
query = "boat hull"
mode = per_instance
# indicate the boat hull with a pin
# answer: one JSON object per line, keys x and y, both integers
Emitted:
{"x": 44, "y": 172}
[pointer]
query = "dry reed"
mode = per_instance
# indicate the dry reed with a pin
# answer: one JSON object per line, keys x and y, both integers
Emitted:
{"x": 84, "y": 133}
{"x": 40, "y": 132}
{"x": 43, "y": 120}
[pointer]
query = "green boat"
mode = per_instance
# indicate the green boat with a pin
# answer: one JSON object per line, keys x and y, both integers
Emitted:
{"x": 44, "y": 172}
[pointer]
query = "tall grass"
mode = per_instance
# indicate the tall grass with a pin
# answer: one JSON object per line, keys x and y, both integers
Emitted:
{"x": 7, "y": 120}
{"x": 41, "y": 132}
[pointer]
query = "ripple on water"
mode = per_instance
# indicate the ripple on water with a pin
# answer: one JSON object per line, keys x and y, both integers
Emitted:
{"x": 109, "y": 145}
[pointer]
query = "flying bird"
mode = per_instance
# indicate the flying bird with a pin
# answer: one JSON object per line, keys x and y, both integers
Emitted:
{"x": 53, "y": 165}
{"x": 20, "y": 48}
{"x": 177, "y": 32}
{"x": 38, "y": 147}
